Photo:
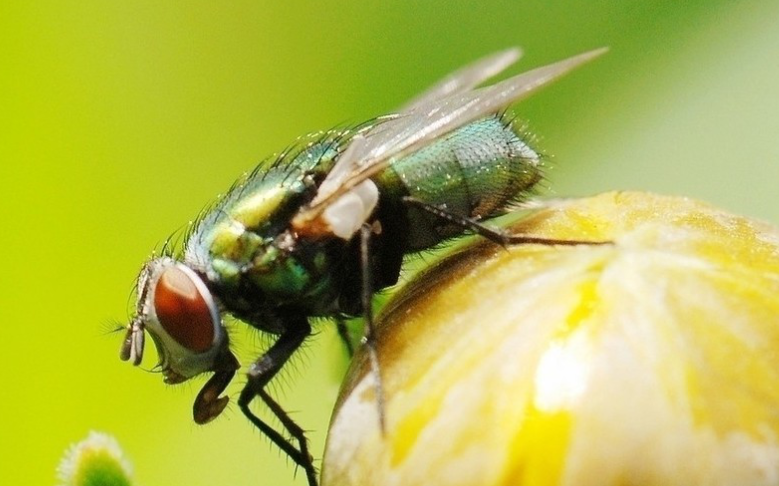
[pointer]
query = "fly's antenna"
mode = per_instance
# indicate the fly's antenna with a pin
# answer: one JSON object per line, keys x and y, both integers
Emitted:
{"x": 110, "y": 327}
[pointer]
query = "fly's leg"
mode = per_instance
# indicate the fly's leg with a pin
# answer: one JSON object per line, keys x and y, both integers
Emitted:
{"x": 208, "y": 404}
{"x": 491, "y": 234}
{"x": 306, "y": 461}
{"x": 346, "y": 338}
{"x": 259, "y": 374}
{"x": 370, "y": 334}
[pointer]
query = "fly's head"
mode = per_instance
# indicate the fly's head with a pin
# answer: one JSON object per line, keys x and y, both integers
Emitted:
{"x": 181, "y": 315}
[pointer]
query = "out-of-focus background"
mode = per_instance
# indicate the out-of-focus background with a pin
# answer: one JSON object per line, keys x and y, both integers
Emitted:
{"x": 119, "y": 121}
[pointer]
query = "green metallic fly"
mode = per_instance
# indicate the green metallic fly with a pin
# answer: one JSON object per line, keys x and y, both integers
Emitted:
{"x": 320, "y": 228}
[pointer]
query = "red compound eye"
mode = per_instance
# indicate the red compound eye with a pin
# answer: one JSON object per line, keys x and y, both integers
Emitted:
{"x": 182, "y": 310}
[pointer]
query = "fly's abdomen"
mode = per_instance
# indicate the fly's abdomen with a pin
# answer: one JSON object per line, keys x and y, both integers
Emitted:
{"x": 475, "y": 171}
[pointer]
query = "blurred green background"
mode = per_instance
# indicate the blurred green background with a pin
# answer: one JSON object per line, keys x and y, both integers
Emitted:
{"x": 121, "y": 120}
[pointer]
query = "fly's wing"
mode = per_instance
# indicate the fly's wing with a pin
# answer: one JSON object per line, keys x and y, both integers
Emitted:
{"x": 462, "y": 80}
{"x": 466, "y": 78}
{"x": 370, "y": 152}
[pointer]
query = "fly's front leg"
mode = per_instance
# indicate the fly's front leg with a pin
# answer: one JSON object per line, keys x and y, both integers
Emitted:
{"x": 208, "y": 403}
{"x": 370, "y": 333}
{"x": 259, "y": 374}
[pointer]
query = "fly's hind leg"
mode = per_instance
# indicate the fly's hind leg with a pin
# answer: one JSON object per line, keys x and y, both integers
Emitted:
{"x": 259, "y": 374}
{"x": 491, "y": 234}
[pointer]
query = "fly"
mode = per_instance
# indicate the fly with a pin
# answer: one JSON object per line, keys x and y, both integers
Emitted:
{"x": 318, "y": 230}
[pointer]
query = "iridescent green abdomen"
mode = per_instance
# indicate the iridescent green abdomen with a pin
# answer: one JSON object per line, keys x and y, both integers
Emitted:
{"x": 474, "y": 172}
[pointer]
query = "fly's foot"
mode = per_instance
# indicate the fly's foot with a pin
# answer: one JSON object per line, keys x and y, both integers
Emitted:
{"x": 208, "y": 404}
{"x": 300, "y": 454}
{"x": 259, "y": 375}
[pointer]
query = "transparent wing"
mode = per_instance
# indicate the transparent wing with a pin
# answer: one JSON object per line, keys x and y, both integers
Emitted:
{"x": 370, "y": 152}
{"x": 466, "y": 78}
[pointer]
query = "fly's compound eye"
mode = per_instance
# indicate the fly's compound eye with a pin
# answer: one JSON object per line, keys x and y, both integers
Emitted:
{"x": 185, "y": 308}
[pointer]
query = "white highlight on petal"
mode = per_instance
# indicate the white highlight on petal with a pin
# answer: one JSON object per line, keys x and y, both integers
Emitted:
{"x": 562, "y": 375}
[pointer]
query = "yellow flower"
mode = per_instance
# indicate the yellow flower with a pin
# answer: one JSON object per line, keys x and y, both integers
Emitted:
{"x": 651, "y": 361}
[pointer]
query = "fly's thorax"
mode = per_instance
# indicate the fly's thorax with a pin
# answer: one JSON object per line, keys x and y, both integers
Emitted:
{"x": 294, "y": 272}
{"x": 278, "y": 272}
{"x": 182, "y": 317}
{"x": 251, "y": 221}
{"x": 246, "y": 221}
{"x": 475, "y": 171}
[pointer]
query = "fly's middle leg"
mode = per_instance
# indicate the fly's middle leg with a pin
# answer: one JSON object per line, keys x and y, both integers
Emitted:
{"x": 343, "y": 334}
{"x": 369, "y": 340}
